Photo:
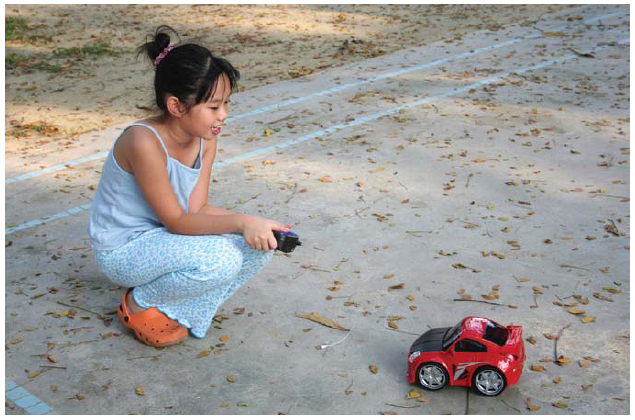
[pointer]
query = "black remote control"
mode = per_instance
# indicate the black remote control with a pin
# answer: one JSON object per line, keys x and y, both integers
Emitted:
{"x": 287, "y": 241}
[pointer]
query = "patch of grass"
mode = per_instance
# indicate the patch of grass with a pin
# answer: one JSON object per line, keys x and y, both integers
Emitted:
{"x": 40, "y": 127}
{"x": 16, "y": 29}
{"x": 97, "y": 49}
{"x": 28, "y": 64}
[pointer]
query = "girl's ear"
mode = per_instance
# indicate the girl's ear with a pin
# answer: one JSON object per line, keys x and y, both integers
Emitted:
{"x": 175, "y": 107}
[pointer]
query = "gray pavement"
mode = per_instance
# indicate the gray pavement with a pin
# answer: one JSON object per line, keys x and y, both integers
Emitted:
{"x": 520, "y": 149}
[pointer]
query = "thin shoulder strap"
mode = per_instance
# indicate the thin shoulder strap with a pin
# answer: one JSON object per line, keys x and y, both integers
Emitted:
{"x": 157, "y": 134}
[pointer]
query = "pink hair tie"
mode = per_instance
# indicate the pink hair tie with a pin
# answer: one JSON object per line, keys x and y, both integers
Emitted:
{"x": 161, "y": 56}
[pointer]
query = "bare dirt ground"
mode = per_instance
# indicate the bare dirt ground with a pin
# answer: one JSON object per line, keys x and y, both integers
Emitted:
{"x": 71, "y": 69}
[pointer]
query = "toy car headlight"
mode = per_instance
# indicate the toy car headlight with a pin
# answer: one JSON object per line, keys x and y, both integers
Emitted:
{"x": 413, "y": 356}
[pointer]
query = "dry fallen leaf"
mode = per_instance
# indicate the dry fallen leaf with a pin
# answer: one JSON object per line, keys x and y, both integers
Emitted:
{"x": 373, "y": 369}
{"x": 79, "y": 396}
{"x": 584, "y": 364}
{"x": 588, "y": 319}
{"x": 413, "y": 394}
{"x": 315, "y": 317}
{"x": 139, "y": 391}
{"x": 230, "y": 379}
{"x": 393, "y": 325}
{"x": 575, "y": 311}
{"x": 556, "y": 380}
{"x": 52, "y": 359}
{"x": 537, "y": 368}
{"x": 559, "y": 405}
{"x": 530, "y": 406}
{"x": 562, "y": 361}
{"x": 397, "y": 286}
{"x": 203, "y": 354}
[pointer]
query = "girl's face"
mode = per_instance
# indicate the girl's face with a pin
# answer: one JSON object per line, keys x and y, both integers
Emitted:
{"x": 207, "y": 118}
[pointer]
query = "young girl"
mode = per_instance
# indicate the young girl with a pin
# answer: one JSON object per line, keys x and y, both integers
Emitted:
{"x": 151, "y": 228}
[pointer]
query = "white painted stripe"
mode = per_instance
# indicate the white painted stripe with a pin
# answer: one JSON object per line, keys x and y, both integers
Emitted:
{"x": 335, "y": 89}
{"x": 37, "y": 222}
{"x": 334, "y": 128}
{"x": 23, "y": 398}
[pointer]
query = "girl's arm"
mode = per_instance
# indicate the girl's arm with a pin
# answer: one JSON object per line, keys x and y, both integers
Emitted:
{"x": 148, "y": 162}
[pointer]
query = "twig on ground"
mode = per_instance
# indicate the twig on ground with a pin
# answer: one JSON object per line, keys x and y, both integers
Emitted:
{"x": 510, "y": 406}
{"x": 614, "y": 196}
{"x": 295, "y": 188}
{"x": 405, "y": 332}
{"x": 468, "y": 179}
{"x": 403, "y": 406}
{"x": 555, "y": 343}
{"x": 573, "y": 266}
{"x": 589, "y": 55}
{"x": 480, "y": 301}
{"x": 80, "y": 308}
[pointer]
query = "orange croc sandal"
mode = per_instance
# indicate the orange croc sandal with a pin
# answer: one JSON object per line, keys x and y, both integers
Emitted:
{"x": 151, "y": 326}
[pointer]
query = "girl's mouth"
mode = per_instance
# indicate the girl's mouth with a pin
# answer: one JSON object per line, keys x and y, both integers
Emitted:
{"x": 216, "y": 130}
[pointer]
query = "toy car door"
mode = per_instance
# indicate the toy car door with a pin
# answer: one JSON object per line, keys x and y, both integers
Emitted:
{"x": 468, "y": 355}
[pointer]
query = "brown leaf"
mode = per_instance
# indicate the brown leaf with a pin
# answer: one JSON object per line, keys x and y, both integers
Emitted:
{"x": 559, "y": 405}
{"x": 325, "y": 179}
{"x": 584, "y": 364}
{"x": 373, "y": 369}
{"x": 386, "y": 413}
{"x": 537, "y": 368}
{"x": 530, "y": 406}
{"x": 413, "y": 394}
{"x": 588, "y": 319}
{"x": 562, "y": 361}
{"x": 556, "y": 380}
{"x": 224, "y": 338}
{"x": 203, "y": 354}
{"x": 230, "y": 379}
{"x": 393, "y": 325}
{"x": 52, "y": 359}
{"x": 139, "y": 390}
{"x": 80, "y": 396}
{"x": 315, "y": 317}
{"x": 576, "y": 311}
{"x": 397, "y": 286}
{"x": 550, "y": 336}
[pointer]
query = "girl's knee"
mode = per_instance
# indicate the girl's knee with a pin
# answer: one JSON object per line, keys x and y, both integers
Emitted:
{"x": 222, "y": 257}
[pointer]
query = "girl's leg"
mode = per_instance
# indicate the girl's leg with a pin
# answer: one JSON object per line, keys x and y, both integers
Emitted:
{"x": 253, "y": 262}
{"x": 185, "y": 277}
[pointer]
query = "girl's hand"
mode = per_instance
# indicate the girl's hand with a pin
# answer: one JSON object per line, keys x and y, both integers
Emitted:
{"x": 258, "y": 232}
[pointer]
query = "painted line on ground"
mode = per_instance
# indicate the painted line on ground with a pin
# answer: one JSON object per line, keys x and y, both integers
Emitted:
{"x": 23, "y": 398}
{"x": 274, "y": 107}
{"x": 335, "y": 128}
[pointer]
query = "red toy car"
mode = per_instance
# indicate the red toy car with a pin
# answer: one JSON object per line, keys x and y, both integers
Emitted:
{"x": 475, "y": 352}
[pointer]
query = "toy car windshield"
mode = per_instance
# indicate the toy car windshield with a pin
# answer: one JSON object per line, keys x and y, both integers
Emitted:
{"x": 496, "y": 333}
{"x": 451, "y": 335}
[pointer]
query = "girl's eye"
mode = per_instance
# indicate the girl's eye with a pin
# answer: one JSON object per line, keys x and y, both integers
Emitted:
{"x": 226, "y": 102}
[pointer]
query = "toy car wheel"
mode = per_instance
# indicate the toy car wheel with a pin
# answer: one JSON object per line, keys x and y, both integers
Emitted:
{"x": 432, "y": 376}
{"x": 489, "y": 381}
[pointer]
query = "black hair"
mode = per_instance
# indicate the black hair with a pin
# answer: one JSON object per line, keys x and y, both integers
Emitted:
{"x": 188, "y": 71}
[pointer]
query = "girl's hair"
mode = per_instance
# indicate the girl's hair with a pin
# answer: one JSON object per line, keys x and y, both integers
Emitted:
{"x": 188, "y": 72}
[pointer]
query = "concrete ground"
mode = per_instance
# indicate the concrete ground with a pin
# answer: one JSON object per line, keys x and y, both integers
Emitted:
{"x": 513, "y": 142}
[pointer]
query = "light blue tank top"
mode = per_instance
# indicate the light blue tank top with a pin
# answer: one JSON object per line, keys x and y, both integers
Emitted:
{"x": 119, "y": 212}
